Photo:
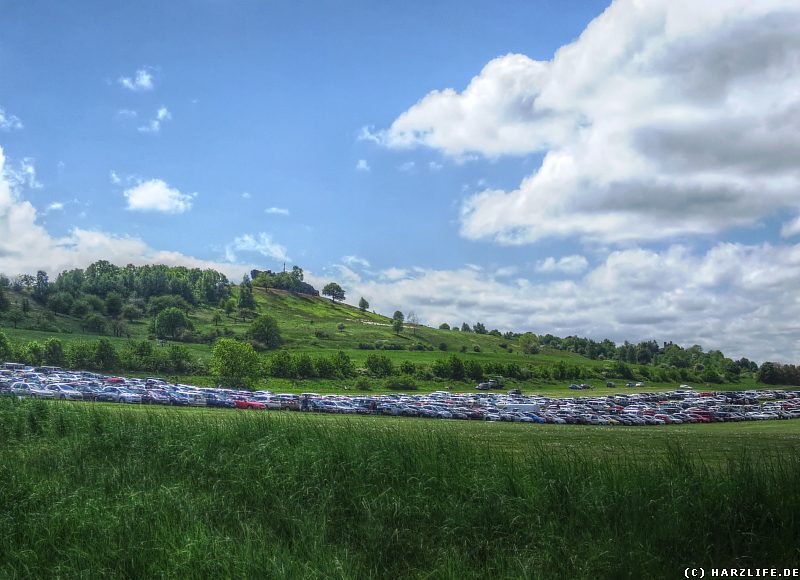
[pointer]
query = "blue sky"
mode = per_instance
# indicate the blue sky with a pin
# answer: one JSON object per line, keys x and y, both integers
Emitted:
{"x": 542, "y": 166}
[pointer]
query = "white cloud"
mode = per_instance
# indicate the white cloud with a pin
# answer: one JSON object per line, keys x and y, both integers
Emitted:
{"x": 156, "y": 195}
{"x": 23, "y": 174}
{"x": 277, "y": 211}
{"x": 127, "y": 114}
{"x": 434, "y": 166}
{"x": 115, "y": 179}
{"x": 141, "y": 81}
{"x": 355, "y": 261}
{"x": 260, "y": 244}
{"x": 154, "y": 125}
{"x": 407, "y": 167}
{"x": 362, "y": 165}
{"x": 664, "y": 118}
{"x": 791, "y": 228}
{"x": 738, "y": 298}
{"x": 26, "y": 246}
{"x": 246, "y": 195}
{"x": 8, "y": 121}
{"x": 368, "y": 134}
{"x": 394, "y": 273}
{"x": 574, "y": 264}
{"x": 55, "y": 206}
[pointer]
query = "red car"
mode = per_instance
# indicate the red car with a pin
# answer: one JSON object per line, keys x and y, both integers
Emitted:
{"x": 245, "y": 404}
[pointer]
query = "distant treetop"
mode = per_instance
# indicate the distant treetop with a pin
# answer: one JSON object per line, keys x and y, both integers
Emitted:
{"x": 291, "y": 281}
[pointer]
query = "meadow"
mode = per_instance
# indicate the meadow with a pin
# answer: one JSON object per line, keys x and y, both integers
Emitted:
{"x": 97, "y": 490}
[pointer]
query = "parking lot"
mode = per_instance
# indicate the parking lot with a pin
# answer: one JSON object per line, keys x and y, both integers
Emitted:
{"x": 682, "y": 405}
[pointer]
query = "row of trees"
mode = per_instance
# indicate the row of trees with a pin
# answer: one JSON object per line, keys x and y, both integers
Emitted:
{"x": 102, "y": 355}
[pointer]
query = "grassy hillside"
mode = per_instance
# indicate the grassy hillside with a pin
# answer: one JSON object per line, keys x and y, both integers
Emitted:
{"x": 99, "y": 491}
{"x": 318, "y": 327}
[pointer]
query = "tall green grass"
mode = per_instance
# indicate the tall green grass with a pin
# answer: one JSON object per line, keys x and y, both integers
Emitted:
{"x": 94, "y": 491}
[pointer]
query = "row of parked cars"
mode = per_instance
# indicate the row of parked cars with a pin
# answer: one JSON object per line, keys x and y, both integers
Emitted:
{"x": 682, "y": 405}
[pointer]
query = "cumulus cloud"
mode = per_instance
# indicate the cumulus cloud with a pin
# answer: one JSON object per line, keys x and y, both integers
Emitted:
{"x": 8, "y": 121}
{"x": 261, "y": 243}
{"x": 738, "y": 298}
{"x": 664, "y": 118}
{"x": 156, "y": 195}
{"x": 362, "y": 165}
{"x": 26, "y": 246}
{"x": 574, "y": 264}
{"x": 142, "y": 80}
{"x": 154, "y": 125}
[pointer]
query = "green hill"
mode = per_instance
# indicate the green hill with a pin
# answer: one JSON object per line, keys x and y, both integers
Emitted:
{"x": 118, "y": 306}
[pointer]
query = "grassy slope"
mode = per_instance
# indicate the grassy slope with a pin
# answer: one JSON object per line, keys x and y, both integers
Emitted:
{"x": 97, "y": 491}
{"x": 300, "y": 317}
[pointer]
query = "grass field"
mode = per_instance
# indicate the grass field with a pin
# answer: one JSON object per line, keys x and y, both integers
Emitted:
{"x": 101, "y": 490}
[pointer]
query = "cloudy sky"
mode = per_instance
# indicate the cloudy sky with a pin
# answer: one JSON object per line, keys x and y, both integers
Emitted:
{"x": 629, "y": 171}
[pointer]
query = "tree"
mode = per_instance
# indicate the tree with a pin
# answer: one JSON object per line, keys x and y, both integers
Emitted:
{"x": 131, "y": 312}
{"x": 105, "y": 355}
{"x": 334, "y": 291}
{"x": 170, "y": 321}
{"x": 41, "y": 287}
{"x": 363, "y": 304}
{"x": 529, "y": 343}
{"x": 6, "y": 349}
{"x": 379, "y": 365}
{"x": 5, "y": 303}
{"x": 465, "y": 328}
{"x": 80, "y": 308}
{"x": 96, "y": 323}
{"x": 16, "y": 316}
{"x": 246, "y": 299}
{"x": 60, "y": 302}
{"x": 265, "y": 330}
{"x": 398, "y": 316}
{"x": 479, "y": 328}
{"x": 413, "y": 321}
{"x": 114, "y": 304}
{"x": 233, "y": 362}
{"x": 216, "y": 319}
{"x": 444, "y": 326}
{"x": 397, "y": 325}
{"x": 54, "y": 352}
{"x": 26, "y": 306}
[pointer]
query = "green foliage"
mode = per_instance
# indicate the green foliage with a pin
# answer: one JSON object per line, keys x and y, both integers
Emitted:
{"x": 333, "y": 291}
{"x": 158, "y": 304}
{"x": 105, "y": 355}
{"x": 444, "y": 326}
{"x": 465, "y": 327}
{"x": 397, "y": 325}
{"x": 246, "y": 299}
{"x": 5, "y": 303}
{"x": 31, "y": 353}
{"x": 529, "y": 343}
{"x": 169, "y": 321}
{"x": 264, "y": 329}
{"x": 363, "y": 305}
{"x": 304, "y": 366}
{"x": 290, "y": 281}
{"x": 479, "y": 328}
{"x": 234, "y": 363}
{"x": 6, "y": 348}
{"x": 131, "y": 312}
{"x": 80, "y": 308}
{"x": 54, "y": 354}
{"x": 60, "y": 302}
{"x": 379, "y": 365}
{"x": 15, "y": 316}
{"x": 96, "y": 323}
{"x": 113, "y": 304}
{"x": 81, "y": 355}
{"x": 282, "y": 365}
